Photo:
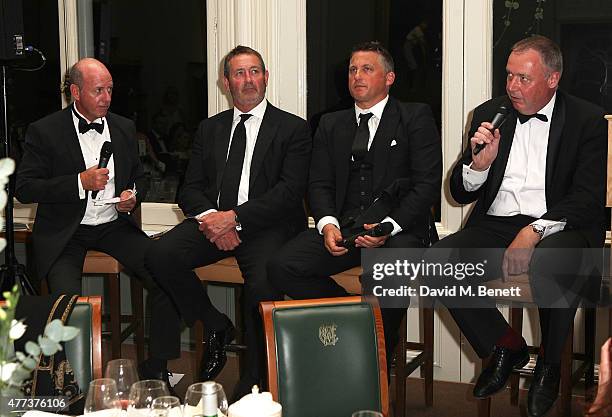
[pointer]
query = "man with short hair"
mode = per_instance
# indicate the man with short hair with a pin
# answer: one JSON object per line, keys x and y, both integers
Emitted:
{"x": 539, "y": 182}
{"x": 59, "y": 171}
{"x": 358, "y": 154}
{"x": 242, "y": 197}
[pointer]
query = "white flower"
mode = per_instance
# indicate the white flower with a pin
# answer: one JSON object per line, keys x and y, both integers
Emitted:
{"x": 17, "y": 329}
{"x": 6, "y": 370}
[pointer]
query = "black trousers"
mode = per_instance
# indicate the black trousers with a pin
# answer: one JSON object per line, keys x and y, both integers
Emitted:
{"x": 303, "y": 269}
{"x": 484, "y": 326}
{"x": 172, "y": 259}
{"x": 127, "y": 244}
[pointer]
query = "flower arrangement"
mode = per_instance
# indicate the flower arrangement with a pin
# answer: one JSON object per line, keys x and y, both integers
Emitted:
{"x": 16, "y": 367}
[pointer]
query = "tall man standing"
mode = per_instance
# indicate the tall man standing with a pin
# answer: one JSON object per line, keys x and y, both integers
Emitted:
{"x": 59, "y": 171}
{"x": 538, "y": 182}
{"x": 243, "y": 196}
{"x": 378, "y": 144}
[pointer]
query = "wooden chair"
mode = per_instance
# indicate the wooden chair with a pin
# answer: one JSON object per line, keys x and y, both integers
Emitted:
{"x": 326, "y": 357}
{"x": 567, "y": 357}
{"x": 350, "y": 280}
{"x": 84, "y": 352}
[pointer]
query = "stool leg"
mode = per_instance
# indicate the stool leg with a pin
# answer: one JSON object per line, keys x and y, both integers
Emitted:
{"x": 198, "y": 334}
{"x": 516, "y": 320}
{"x": 138, "y": 317}
{"x": 114, "y": 285}
{"x": 400, "y": 372}
{"x": 238, "y": 299}
{"x": 566, "y": 373}
{"x": 589, "y": 348}
{"x": 44, "y": 287}
{"x": 428, "y": 340}
{"x": 484, "y": 407}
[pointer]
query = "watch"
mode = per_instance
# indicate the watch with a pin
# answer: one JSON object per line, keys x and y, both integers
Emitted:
{"x": 539, "y": 229}
{"x": 238, "y": 225}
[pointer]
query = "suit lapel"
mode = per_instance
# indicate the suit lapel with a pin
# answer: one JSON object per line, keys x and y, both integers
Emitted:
{"x": 222, "y": 139}
{"x": 72, "y": 140}
{"x": 501, "y": 161}
{"x": 343, "y": 146}
{"x": 554, "y": 140}
{"x": 382, "y": 141}
{"x": 265, "y": 136}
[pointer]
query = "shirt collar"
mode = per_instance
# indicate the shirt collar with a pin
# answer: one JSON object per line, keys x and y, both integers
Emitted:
{"x": 98, "y": 120}
{"x": 547, "y": 110}
{"x": 376, "y": 110}
{"x": 257, "y": 111}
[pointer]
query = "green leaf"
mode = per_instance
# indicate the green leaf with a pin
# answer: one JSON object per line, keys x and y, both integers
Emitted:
{"x": 32, "y": 348}
{"x": 19, "y": 375}
{"x": 48, "y": 346}
{"x": 69, "y": 333}
{"x": 54, "y": 331}
{"x": 29, "y": 363}
{"x": 20, "y": 355}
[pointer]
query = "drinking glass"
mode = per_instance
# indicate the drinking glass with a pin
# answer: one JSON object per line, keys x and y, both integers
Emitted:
{"x": 142, "y": 395}
{"x": 124, "y": 373}
{"x": 366, "y": 413}
{"x": 199, "y": 396}
{"x": 166, "y": 406}
{"x": 102, "y": 398}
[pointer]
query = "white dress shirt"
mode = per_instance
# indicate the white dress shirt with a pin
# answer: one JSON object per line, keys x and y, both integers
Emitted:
{"x": 91, "y": 143}
{"x": 373, "y": 122}
{"x": 523, "y": 188}
{"x": 251, "y": 126}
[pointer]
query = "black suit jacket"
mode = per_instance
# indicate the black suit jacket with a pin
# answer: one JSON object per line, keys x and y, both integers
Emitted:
{"x": 575, "y": 165}
{"x": 279, "y": 170}
{"x": 408, "y": 158}
{"x": 48, "y": 172}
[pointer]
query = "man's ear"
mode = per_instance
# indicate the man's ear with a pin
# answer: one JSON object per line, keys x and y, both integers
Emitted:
{"x": 75, "y": 92}
{"x": 389, "y": 78}
{"x": 553, "y": 79}
{"x": 226, "y": 84}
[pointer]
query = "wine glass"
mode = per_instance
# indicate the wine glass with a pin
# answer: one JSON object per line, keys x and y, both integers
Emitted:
{"x": 124, "y": 373}
{"x": 206, "y": 398}
{"x": 366, "y": 413}
{"x": 102, "y": 398}
{"x": 142, "y": 395}
{"x": 166, "y": 406}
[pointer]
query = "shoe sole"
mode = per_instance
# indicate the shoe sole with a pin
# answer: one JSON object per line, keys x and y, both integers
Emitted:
{"x": 517, "y": 366}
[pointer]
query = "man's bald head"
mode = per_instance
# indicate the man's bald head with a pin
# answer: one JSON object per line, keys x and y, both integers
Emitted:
{"x": 91, "y": 86}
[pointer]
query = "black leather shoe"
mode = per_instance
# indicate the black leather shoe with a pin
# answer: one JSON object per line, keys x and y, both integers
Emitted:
{"x": 214, "y": 355}
{"x": 494, "y": 377}
{"x": 146, "y": 372}
{"x": 544, "y": 389}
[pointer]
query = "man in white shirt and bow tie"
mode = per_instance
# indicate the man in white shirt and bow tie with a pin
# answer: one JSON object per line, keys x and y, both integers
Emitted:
{"x": 539, "y": 181}
{"x": 59, "y": 171}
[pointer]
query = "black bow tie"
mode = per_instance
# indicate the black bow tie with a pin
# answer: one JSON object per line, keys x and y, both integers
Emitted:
{"x": 85, "y": 127}
{"x": 525, "y": 117}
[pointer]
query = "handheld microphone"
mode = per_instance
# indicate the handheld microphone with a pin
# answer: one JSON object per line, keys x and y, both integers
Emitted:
{"x": 105, "y": 154}
{"x": 498, "y": 120}
{"x": 380, "y": 229}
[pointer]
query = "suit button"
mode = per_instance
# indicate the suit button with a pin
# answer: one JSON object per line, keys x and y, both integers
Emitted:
{"x": 362, "y": 178}
{"x": 362, "y": 207}
{"x": 362, "y": 193}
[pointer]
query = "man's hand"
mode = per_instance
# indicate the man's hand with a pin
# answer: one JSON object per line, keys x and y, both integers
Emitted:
{"x": 228, "y": 241}
{"x": 518, "y": 255}
{"x": 485, "y": 157}
{"x": 127, "y": 202}
{"x": 94, "y": 178}
{"x": 370, "y": 241}
{"x": 331, "y": 237}
{"x": 218, "y": 223}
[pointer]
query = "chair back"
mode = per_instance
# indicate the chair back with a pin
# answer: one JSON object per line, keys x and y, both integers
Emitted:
{"x": 326, "y": 357}
{"x": 84, "y": 352}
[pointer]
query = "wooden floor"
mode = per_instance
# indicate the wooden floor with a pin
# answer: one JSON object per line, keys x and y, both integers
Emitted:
{"x": 450, "y": 399}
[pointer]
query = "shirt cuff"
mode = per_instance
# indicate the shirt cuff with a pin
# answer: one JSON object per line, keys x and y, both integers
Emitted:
{"x": 472, "y": 179}
{"x": 396, "y": 227}
{"x": 550, "y": 226}
{"x": 204, "y": 213}
{"x": 82, "y": 193}
{"x": 325, "y": 220}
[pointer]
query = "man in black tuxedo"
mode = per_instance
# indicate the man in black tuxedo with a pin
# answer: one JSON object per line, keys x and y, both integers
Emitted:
{"x": 242, "y": 196}
{"x": 378, "y": 145}
{"x": 59, "y": 171}
{"x": 538, "y": 182}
